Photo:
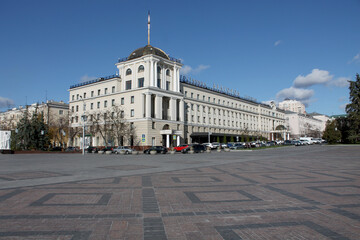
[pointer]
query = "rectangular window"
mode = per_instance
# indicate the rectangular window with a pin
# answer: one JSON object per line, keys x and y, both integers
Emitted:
{"x": 132, "y": 113}
{"x": 167, "y": 85}
{"x": 98, "y": 105}
{"x": 77, "y": 108}
{"x": 122, "y": 101}
{"x": 84, "y": 94}
{"x": 61, "y": 112}
{"x": 208, "y": 99}
{"x": 192, "y": 95}
{"x": 105, "y": 104}
{"x": 99, "y": 91}
{"x": 73, "y": 97}
{"x": 113, "y": 102}
{"x": 92, "y": 93}
{"x": 159, "y": 83}
{"x": 105, "y": 91}
{"x": 203, "y": 98}
{"x": 92, "y": 106}
{"x": 113, "y": 89}
{"x": 153, "y": 125}
{"x": 140, "y": 82}
{"x": 185, "y": 93}
{"x": 72, "y": 109}
{"x": 197, "y": 97}
{"x": 128, "y": 85}
{"x": 132, "y": 99}
{"x": 122, "y": 114}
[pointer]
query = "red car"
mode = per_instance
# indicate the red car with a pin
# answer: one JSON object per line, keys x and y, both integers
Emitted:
{"x": 181, "y": 147}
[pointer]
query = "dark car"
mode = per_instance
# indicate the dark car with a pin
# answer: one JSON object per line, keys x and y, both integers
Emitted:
{"x": 91, "y": 149}
{"x": 288, "y": 142}
{"x": 71, "y": 149}
{"x": 158, "y": 149}
{"x": 108, "y": 149}
{"x": 56, "y": 149}
{"x": 198, "y": 148}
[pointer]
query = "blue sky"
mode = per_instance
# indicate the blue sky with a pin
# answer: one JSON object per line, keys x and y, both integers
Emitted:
{"x": 268, "y": 50}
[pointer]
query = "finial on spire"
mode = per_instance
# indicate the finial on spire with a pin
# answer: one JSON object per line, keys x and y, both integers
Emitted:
{"x": 148, "y": 27}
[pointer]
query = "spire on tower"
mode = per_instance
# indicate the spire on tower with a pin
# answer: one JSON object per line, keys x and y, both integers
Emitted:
{"x": 148, "y": 27}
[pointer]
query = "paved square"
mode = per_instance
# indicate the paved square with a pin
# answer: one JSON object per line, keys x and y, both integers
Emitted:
{"x": 309, "y": 192}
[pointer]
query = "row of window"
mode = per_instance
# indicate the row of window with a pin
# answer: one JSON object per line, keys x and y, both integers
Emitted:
{"x": 141, "y": 68}
{"x": 244, "y": 107}
{"x": 92, "y": 93}
{"x": 122, "y": 102}
{"x": 98, "y": 116}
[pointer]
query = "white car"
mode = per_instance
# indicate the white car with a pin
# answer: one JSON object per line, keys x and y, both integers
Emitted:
{"x": 210, "y": 145}
{"x": 126, "y": 150}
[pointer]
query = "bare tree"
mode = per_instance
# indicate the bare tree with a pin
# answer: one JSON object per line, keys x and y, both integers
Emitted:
{"x": 58, "y": 127}
{"x": 120, "y": 128}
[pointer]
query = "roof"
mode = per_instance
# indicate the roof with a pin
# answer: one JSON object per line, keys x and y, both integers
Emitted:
{"x": 148, "y": 49}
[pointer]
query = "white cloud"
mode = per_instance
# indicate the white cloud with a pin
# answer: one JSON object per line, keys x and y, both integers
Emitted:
{"x": 300, "y": 94}
{"x": 6, "y": 102}
{"x": 277, "y": 42}
{"x": 339, "y": 82}
{"x": 86, "y": 78}
{"x": 356, "y": 58}
{"x": 316, "y": 76}
{"x": 186, "y": 69}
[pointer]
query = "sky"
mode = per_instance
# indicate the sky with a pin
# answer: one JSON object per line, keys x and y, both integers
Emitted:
{"x": 264, "y": 49}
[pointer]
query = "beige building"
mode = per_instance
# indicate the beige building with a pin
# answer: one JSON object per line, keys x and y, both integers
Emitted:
{"x": 292, "y": 105}
{"x": 305, "y": 125}
{"x": 56, "y": 115}
{"x": 165, "y": 108}
{"x": 51, "y": 110}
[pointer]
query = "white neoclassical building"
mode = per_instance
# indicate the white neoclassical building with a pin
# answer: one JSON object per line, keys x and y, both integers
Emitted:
{"x": 167, "y": 109}
{"x": 293, "y": 106}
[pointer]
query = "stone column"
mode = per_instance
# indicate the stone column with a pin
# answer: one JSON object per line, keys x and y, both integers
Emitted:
{"x": 151, "y": 73}
{"x": 143, "y": 104}
{"x": 288, "y": 136}
{"x": 148, "y": 105}
{"x": 167, "y": 140}
{"x": 173, "y": 109}
{"x": 181, "y": 110}
{"x": 174, "y": 85}
{"x": 158, "y": 106}
{"x": 155, "y": 77}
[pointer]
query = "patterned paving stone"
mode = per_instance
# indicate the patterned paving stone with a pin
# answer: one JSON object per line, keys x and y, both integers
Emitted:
{"x": 288, "y": 193}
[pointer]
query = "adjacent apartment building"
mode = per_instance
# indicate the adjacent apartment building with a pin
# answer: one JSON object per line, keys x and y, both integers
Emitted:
{"x": 165, "y": 108}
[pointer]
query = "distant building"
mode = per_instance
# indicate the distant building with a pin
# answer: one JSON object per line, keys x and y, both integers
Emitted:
{"x": 304, "y": 125}
{"x": 292, "y": 105}
{"x": 56, "y": 115}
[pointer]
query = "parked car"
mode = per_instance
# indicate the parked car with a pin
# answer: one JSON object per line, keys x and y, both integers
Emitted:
{"x": 71, "y": 149}
{"x": 216, "y": 145}
{"x": 237, "y": 146}
{"x": 198, "y": 148}
{"x": 127, "y": 150}
{"x": 298, "y": 143}
{"x": 181, "y": 147}
{"x": 108, "y": 148}
{"x": 158, "y": 149}
{"x": 56, "y": 149}
{"x": 210, "y": 145}
{"x": 288, "y": 142}
{"x": 91, "y": 149}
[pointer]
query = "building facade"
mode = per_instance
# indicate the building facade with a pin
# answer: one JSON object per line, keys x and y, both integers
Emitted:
{"x": 164, "y": 108}
{"x": 56, "y": 115}
{"x": 303, "y": 125}
{"x": 293, "y": 106}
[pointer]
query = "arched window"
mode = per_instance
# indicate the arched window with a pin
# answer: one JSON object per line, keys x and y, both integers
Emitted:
{"x": 168, "y": 72}
{"x": 141, "y": 68}
{"x": 128, "y": 71}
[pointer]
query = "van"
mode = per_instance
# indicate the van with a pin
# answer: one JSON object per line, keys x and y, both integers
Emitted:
{"x": 308, "y": 139}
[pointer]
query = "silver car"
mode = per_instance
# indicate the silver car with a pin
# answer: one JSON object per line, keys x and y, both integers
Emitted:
{"x": 126, "y": 150}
